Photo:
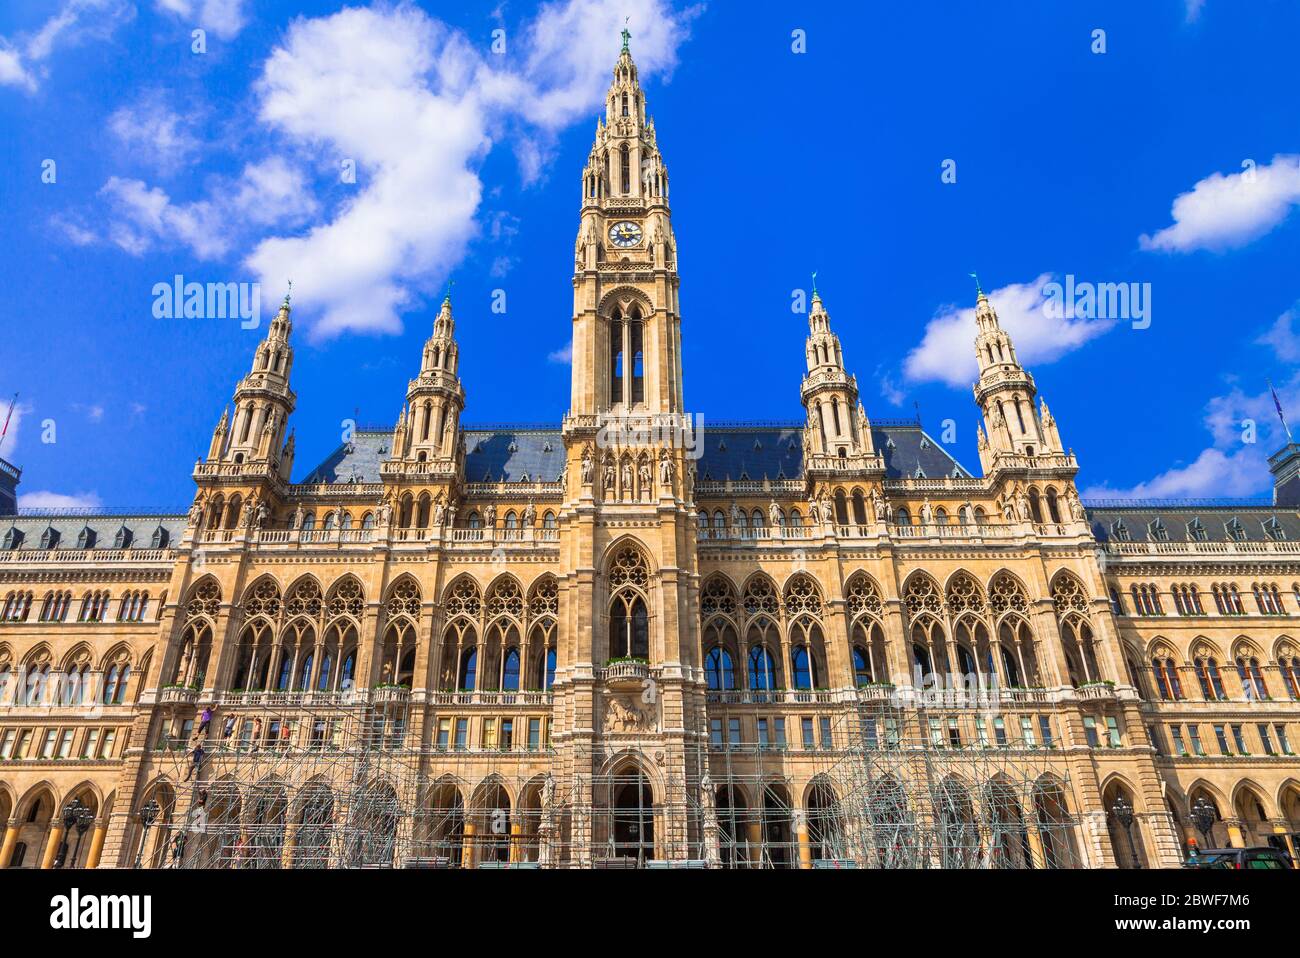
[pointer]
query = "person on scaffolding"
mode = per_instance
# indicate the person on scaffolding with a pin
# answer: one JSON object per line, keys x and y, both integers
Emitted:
{"x": 205, "y": 719}
{"x": 196, "y": 757}
{"x": 229, "y": 727}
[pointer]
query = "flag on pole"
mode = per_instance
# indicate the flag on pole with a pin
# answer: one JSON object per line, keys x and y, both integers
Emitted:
{"x": 4, "y": 432}
{"x": 1277, "y": 403}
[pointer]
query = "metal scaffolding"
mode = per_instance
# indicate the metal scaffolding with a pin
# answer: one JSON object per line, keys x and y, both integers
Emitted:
{"x": 942, "y": 787}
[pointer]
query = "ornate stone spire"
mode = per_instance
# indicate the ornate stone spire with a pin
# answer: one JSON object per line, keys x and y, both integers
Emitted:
{"x": 838, "y": 424}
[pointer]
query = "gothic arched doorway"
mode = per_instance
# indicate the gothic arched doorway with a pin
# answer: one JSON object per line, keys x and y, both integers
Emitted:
{"x": 633, "y": 827}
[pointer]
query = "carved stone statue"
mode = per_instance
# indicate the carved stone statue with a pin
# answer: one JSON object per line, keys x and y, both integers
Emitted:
{"x": 736, "y": 515}
{"x": 774, "y": 514}
{"x": 586, "y": 467}
{"x": 609, "y": 477}
{"x": 927, "y": 512}
{"x": 1008, "y": 509}
{"x": 627, "y": 478}
{"x": 451, "y": 514}
{"x": 644, "y": 475}
{"x": 878, "y": 505}
{"x": 260, "y": 517}
{"x": 1076, "y": 506}
{"x": 196, "y": 512}
{"x": 708, "y": 795}
{"x": 814, "y": 511}
{"x": 298, "y": 515}
{"x": 490, "y": 516}
{"x": 439, "y": 514}
{"x": 666, "y": 471}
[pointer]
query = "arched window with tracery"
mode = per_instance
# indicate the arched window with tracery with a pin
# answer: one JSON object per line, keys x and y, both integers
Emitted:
{"x": 866, "y": 634}
{"x": 629, "y": 617}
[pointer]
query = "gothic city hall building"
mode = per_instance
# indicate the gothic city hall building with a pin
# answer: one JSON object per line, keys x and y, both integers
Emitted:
{"x": 643, "y": 638}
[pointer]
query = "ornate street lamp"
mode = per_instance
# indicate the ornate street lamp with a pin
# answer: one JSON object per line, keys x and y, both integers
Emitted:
{"x": 148, "y": 815}
{"x": 84, "y": 819}
{"x": 69, "y": 820}
{"x": 1203, "y": 816}
{"x": 1123, "y": 813}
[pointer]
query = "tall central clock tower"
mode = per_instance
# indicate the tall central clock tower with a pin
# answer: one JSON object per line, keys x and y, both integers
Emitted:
{"x": 626, "y": 332}
{"x": 628, "y": 688}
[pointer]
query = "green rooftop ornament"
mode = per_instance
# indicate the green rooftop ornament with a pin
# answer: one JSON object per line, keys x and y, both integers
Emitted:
{"x": 626, "y": 35}
{"x": 978, "y": 290}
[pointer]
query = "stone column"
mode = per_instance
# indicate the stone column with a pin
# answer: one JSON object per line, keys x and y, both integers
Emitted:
{"x": 52, "y": 844}
{"x": 10, "y": 840}
{"x": 96, "y": 845}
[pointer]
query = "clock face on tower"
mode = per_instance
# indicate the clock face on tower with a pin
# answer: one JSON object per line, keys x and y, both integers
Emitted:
{"x": 625, "y": 234}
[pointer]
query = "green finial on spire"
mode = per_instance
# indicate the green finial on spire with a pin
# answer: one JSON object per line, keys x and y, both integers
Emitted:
{"x": 626, "y": 35}
{"x": 288, "y": 292}
{"x": 978, "y": 290}
{"x": 447, "y": 299}
{"x": 814, "y": 282}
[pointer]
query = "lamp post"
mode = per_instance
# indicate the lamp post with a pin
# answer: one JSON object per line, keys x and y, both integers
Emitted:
{"x": 1123, "y": 813}
{"x": 84, "y": 819}
{"x": 148, "y": 815}
{"x": 69, "y": 819}
{"x": 1203, "y": 815}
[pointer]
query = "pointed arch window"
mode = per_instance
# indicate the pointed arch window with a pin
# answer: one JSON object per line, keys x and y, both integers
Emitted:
{"x": 629, "y": 632}
{"x": 616, "y": 358}
{"x": 719, "y": 670}
{"x": 549, "y": 677}
{"x": 638, "y": 360}
{"x": 510, "y": 672}
{"x": 805, "y": 668}
{"x": 861, "y": 667}
{"x": 469, "y": 670}
{"x": 762, "y": 669}
{"x": 625, "y": 170}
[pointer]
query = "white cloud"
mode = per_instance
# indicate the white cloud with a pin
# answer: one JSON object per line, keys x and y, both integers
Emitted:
{"x": 12, "y": 72}
{"x": 225, "y": 18}
{"x": 1226, "y": 212}
{"x": 1233, "y": 465}
{"x": 563, "y": 355}
{"x": 1282, "y": 338}
{"x": 73, "y": 230}
{"x": 92, "y": 411}
{"x": 154, "y": 133}
{"x": 269, "y": 193}
{"x": 418, "y": 106}
{"x": 146, "y": 216}
{"x": 946, "y": 352}
{"x": 889, "y": 387}
{"x": 45, "y": 499}
{"x": 273, "y": 192}
{"x": 1194, "y": 9}
{"x": 21, "y": 61}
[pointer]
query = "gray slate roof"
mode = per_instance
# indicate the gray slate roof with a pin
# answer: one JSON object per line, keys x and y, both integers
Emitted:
{"x": 736, "y": 452}
{"x": 1214, "y": 517}
{"x": 69, "y": 524}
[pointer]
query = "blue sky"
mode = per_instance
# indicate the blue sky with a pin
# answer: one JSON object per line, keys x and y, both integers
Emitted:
{"x": 1171, "y": 159}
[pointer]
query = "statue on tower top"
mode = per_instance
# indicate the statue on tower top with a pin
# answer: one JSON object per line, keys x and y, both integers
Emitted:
{"x": 626, "y": 34}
